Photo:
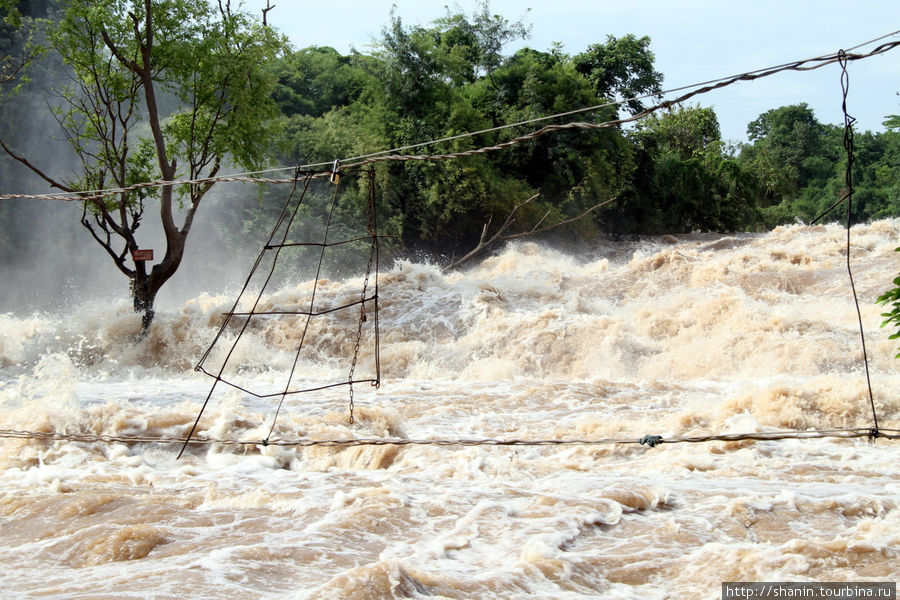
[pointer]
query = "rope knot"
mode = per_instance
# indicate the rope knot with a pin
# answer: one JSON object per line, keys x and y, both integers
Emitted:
{"x": 651, "y": 440}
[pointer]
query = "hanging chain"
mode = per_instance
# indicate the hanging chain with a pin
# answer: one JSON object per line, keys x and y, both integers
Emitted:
{"x": 370, "y": 226}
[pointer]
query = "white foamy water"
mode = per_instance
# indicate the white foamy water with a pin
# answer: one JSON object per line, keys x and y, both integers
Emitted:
{"x": 706, "y": 335}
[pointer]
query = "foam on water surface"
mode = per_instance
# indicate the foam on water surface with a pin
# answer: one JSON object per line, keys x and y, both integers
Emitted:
{"x": 733, "y": 334}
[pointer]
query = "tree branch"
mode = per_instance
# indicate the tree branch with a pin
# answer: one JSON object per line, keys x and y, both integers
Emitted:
{"x": 483, "y": 242}
{"x": 118, "y": 259}
{"x": 535, "y": 230}
{"x": 265, "y": 11}
{"x": 35, "y": 170}
{"x": 118, "y": 53}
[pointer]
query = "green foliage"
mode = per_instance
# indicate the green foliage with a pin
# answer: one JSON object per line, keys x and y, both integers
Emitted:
{"x": 475, "y": 47}
{"x": 421, "y": 83}
{"x": 801, "y": 166}
{"x": 686, "y": 131}
{"x": 892, "y": 122}
{"x": 449, "y": 78}
{"x": 686, "y": 181}
{"x": 892, "y": 297}
{"x": 782, "y": 139}
{"x": 671, "y": 173}
{"x": 621, "y": 68}
{"x": 314, "y": 80}
{"x": 210, "y": 62}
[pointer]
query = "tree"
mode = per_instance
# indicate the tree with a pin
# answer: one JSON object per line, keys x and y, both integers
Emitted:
{"x": 782, "y": 139}
{"x": 685, "y": 179}
{"x": 623, "y": 68}
{"x": 314, "y": 80}
{"x": 573, "y": 170}
{"x": 801, "y": 165}
{"x": 127, "y": 59}
{"x": 425, "y": 90}
{"x": 473, "y": 47}
{"x": 449, "y": 78}
{"x": 887, "y": 170}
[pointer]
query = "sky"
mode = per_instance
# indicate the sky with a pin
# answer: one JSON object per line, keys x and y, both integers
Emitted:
{"x": 693, "y": 41}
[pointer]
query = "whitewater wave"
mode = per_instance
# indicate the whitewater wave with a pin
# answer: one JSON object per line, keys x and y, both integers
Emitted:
{"x": 675, "y": 336}
{"x": 700, "y": 308}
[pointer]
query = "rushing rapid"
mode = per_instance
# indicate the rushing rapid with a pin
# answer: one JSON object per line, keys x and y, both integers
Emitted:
{"x": 675, "y": 336}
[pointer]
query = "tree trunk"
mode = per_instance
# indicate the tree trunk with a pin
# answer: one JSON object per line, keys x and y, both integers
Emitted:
{"x": 146, "y": 285}
{"x": 144, "y": 296}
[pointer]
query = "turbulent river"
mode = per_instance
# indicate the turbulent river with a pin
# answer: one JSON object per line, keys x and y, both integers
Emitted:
{"x": 673, "y": 337}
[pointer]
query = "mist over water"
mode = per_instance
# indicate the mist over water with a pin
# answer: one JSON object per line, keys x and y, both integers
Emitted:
{"x": 673, "y": 337}
{"x": 58, "y": 266}
{"x": 48, "y": 260}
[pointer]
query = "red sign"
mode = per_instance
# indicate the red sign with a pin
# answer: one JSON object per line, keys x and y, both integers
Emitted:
{"x": 138, "y": 255}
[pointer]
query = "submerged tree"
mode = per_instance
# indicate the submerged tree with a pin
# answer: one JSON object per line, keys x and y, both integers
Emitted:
{"x": 125, "y": 57}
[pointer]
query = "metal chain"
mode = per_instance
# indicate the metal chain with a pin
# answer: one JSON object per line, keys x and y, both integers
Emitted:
{"x": 370, "y": 226}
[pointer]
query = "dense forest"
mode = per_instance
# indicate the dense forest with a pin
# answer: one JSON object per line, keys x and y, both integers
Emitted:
{"x": 668, "y": 173}
{"x": 671, "y": 173}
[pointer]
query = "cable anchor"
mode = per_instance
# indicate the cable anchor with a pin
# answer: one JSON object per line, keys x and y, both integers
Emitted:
{"x": 336, "y": 172}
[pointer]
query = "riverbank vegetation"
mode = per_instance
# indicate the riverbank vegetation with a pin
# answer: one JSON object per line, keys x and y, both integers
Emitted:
{"x": 671, "y": 172}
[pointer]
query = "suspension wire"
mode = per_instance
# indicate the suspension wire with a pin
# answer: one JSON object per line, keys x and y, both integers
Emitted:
{"x": 647, "y": 440}
{"x": 373, "y": 259}
{"x": 312, "y": 302}
{"x": 842, "y": 57}
{"x": 373, "y": 231}
{"x": 282, "y": 230}
{"x": 848, "y": 176}
{"x": 392, "y": 154}
{"x": 218, "y": 376}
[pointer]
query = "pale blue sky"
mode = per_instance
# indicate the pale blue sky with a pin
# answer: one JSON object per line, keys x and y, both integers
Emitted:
{"x": 693, "y": 41}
